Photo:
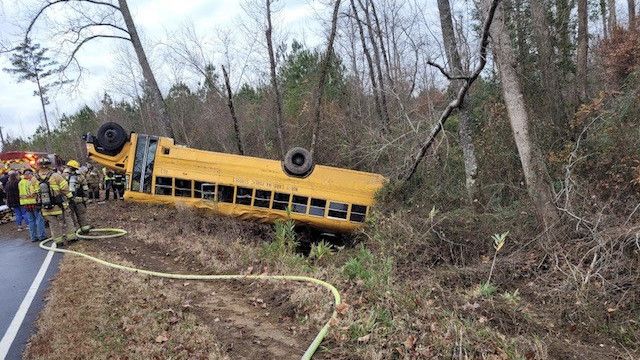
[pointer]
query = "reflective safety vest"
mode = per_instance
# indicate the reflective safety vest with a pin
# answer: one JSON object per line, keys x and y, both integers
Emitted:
{"x": 27, "y": 195}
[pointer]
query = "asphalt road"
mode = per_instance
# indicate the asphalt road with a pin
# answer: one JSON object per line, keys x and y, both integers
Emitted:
{"x": 20, "y": 262}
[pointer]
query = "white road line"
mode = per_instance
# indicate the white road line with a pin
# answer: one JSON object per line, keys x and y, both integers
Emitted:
{"x": 12, "y": 331}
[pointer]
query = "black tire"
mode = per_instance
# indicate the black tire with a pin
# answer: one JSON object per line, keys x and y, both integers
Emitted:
{"x": 111, "y": 136}
{"x": 298, "y": 162}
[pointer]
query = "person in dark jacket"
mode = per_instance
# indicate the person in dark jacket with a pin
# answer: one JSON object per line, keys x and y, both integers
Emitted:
{"x": 13, "y": 200}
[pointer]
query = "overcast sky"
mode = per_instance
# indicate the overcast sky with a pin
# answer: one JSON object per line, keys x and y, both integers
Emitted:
{"x": 157, "y": 21}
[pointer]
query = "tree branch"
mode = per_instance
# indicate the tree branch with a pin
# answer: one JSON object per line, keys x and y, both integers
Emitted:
{"x": 55, "y": 2}
{"x": 84, "y": 41}
{"x": 457, "y": 102}
{"x": 445, "y": 73}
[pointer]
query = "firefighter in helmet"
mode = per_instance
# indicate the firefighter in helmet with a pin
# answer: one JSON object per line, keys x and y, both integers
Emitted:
{"x": 80, "y": 190}
{"x": 53, "y": 198}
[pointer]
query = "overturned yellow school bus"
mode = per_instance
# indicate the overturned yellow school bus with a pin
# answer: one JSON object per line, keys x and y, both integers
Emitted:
{"x": 322, "y": 197}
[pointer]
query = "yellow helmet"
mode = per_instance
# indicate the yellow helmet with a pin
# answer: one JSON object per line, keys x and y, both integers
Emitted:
{"x": 73, "y": 164}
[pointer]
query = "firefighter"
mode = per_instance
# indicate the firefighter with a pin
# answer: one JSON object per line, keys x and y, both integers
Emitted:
{"x": 118, "y": 186}
{"x": 108, "y": 183}
{"x": 53, "y": 195}
{"x": 93, "y": 180}
{"x": 28, "y": 200}
{"x": 79, "y": 188}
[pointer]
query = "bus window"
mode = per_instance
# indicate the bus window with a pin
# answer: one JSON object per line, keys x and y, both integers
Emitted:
{"x": 299, "y": 204}
{"x": 317, "y": 207}
{"x": 358, "y": 213}
{"x": 280, "y": 201}
{"x": 263, "y": 198}
{"x": 225, "y": 193}
{"x": 143, "y": 163}
{"x": 243, "y": 197}
{"x": 183, "y": 188}
{"x": 164, "y": 186}
{"x": 338, "y": 210}
{"x": 205, "y": 190}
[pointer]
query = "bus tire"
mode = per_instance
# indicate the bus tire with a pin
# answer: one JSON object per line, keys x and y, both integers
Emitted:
{"x": 111, "y": 136}
{"x": 298, "y": 162}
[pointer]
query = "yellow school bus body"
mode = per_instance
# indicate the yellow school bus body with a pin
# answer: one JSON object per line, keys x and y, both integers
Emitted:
{"x": 336, "y": 186}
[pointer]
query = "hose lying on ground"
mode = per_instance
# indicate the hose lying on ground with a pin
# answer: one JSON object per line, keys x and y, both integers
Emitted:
{"x": 119, "y": 232}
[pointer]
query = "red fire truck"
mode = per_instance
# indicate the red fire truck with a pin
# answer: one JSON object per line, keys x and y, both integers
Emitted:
{"x": 19, "y": 160}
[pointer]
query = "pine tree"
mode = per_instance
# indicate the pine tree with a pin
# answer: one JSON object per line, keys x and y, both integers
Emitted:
{"x": 30, "y": 63}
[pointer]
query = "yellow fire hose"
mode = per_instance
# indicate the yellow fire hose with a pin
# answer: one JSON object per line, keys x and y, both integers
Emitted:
{"x": 119, "y": 232}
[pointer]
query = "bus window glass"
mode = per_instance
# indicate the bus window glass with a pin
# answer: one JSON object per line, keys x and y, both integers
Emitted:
{"x": 243, "y": 197}
{"x": 338, "y": 210}
{"x": 204, "y": 190}
{"x": 164, "y": 185}
{"x": 138, "y": 163}
{"x": 150, "y": 158}
{"x": 262, "y": 198}
{"x": 299, "y": 204}
{"x": 183, "y": 188}
{"x": 358, "y": 213}
{"x": 280, "y": 201}
{"x": 317, "y": 207}
{"x": 225, "y": 193}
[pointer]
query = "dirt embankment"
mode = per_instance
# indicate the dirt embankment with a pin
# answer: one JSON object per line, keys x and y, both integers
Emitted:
{"x": 98, "y": 312}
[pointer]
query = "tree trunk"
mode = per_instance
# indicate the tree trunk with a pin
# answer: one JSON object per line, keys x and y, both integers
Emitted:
{"x": 377, "y": 63}
{"x": 374, "y": 84}
{"x": 149, "y": 78}
{"x": 324, "y": 69}
{"x": 613, "y": 18}
{"x": 552, "y": 95}
{"x": 583, "y": 50}
{"x": 2, "y": 139}
{"x": 632, "y": 13}
{"x": 232, "y": 110}
{"x": 383, "y": 51}
{"x": 464, "y": 130}
{"x": 274, "y": 83}
{"x": 603, "y": 14}
{"x": 533, "y": 166}
{"x": 44, "y": 113}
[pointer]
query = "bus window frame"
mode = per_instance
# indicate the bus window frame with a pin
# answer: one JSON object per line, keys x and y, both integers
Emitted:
{"x": 290, "y": 196}
{"x": 163, "y": 186}
{"x": 346, "y": 212}
{"x": 203, "y": 192}
{"x": 176, "y": 188}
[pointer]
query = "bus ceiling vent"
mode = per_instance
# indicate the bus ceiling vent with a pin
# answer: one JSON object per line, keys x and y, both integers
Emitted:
{"x": 110, "y": 139}
{"x": 298, "y": 162}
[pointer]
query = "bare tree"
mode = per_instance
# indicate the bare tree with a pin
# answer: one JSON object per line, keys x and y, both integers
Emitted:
{"x": 467, "y": 81}
{"x": 232, "y": 110}
{"x": 533, "y": 166}
{"x": 583, "y": 49}
{"x": 612, "y": 22}
{"x": 100, "y": 17}
{"x": 377, "y": 61}
{"x": 464, "y": 130}
{"x": 603, "y": 15}
{"x": 384, "y": 119}
{"x": 324, "y": 70}
{"x": 274, "y": 82}
{"x": 631, "y": 4}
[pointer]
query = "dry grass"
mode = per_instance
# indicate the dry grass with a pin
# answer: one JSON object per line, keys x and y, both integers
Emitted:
{"x": 94, "y": 312}
{"x": 411, "y": 289}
